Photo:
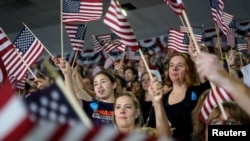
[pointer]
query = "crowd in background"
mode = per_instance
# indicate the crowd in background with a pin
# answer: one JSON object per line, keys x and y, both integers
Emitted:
{"x": 128, "y": 98}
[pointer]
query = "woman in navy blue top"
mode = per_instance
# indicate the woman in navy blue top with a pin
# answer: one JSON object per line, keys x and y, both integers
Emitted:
{"x": 181, "y": 100}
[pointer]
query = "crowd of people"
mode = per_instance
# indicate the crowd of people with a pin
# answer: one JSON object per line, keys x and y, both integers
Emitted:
{"x": 131, "y": 98}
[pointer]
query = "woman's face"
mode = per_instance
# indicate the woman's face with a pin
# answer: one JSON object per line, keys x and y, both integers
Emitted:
{"x": 87, "y": 83}
{"x": 177, "y": 69}
{"x": 221, "y": 121}
{"x": 103, "y": 86}
{"x": 125, "y": 112}
{"x": 136, "y": 87}
{"x": 129, "y": 76}
{"x": 145, "y": 80}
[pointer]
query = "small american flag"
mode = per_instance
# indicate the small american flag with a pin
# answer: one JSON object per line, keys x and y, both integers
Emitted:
{"x": 176, "y": 5}
{"x": 241, "y": 44}
{"x": 221, "y": 18}
{"x": 109, "y": 42}
{"x": 81, "y": 10}
{"x": 178, "y": 41}
{"x": 118, "y": 23}
{"x": 97, "y": 45}
{"x": 50, "y": 104}
{"x": 210, "y": 102}
{"x": 76, "y": 35}
{"x": 196, "y": 30}
{"x": 231, "y": 35}
{"x": 29, "y": 48}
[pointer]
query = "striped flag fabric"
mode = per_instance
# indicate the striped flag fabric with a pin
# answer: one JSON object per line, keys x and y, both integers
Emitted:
{"x": 110, "y": 42}
{"x": 210, "y": 102}
{"x": 241, "y": 44}
{"x": 6, "y": 48}
{"x": 50, "y": 104}
{"x": 76, "y": 35}
{"x": 178, "y": 41}
{"x": 51, "y": 131}
{"x": 13, "y": 118}
{"x": 231, "y": 35}
{"x": 75, "y": 11}
{"x": 221, "y": 18}
{"x": 176, "y": 5}
{"x": 97, "y": 45}
{"x": 118, "y": 23}
{"x": 227, "y": 18}
{"x": 29, "y": 48}
{"x": 196, "y": 30}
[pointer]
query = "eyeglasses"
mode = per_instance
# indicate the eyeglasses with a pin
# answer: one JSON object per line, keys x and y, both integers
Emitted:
{"x": 223, "y": 122}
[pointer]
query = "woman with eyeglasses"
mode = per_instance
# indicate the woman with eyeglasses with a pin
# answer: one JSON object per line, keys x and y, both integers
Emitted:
{"x": 235, "y": 116}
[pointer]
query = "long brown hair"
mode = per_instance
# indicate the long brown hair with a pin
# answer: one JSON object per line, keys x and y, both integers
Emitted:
{"x": 191, "y": 75}
{"x": 199, "y": 127}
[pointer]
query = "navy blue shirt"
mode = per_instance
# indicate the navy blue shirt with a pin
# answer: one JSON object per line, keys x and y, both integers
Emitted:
{"x": 99, "y": 112}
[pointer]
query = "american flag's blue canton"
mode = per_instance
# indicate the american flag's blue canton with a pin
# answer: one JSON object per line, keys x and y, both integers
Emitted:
{"x": 197, "y": 31}
{"x": 215, "y": 4}
{"x": 50, "y": 104}
{"x": 70, "y": 6}
{"x": 232, "y": 24}
{"x": 114, "y": 36}
{"x": 186, "y": 39}
{"x": 241, "y": 41}
{"x": 24, "y": 40}
{"x": 80, "y": 32}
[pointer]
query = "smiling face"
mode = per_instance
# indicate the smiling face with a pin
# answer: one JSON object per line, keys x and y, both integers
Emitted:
{"x": 103, "y": 87}
{"x": 177, "y": 69}
{"x": 125, "y": 112}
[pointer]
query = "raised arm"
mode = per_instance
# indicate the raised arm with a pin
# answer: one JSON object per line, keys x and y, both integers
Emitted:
{"x": 210, "y": 68}
{"x": 156, "y": 92}
{"x": 81, "y": 91}
{"x": 67, "y": 73}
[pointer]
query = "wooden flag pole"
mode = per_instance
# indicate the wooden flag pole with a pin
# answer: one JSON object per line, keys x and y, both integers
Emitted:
{"x": 183, "y": 23}
{"x": 146, "y": 64}
{"x": 72, "y": 100}
{"x": 25, "y": 63}
{"x": 61, "y": 23}
{"x": 38, "y": 39}
{"x": 218, "y": 40}
{"x": 227, "y": 60}
{"x": 73, "y": 63}
{"x": 198, "y": 50}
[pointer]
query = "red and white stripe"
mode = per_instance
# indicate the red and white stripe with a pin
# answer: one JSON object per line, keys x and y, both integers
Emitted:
{"x": 118, "y": 23}
{"x": 175, "y": 41}
{"x": 77, "y": 44}
{"x": 176, "y": 5}
{"x": 90, "y": 10}
{"x": 210, "y": 102}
